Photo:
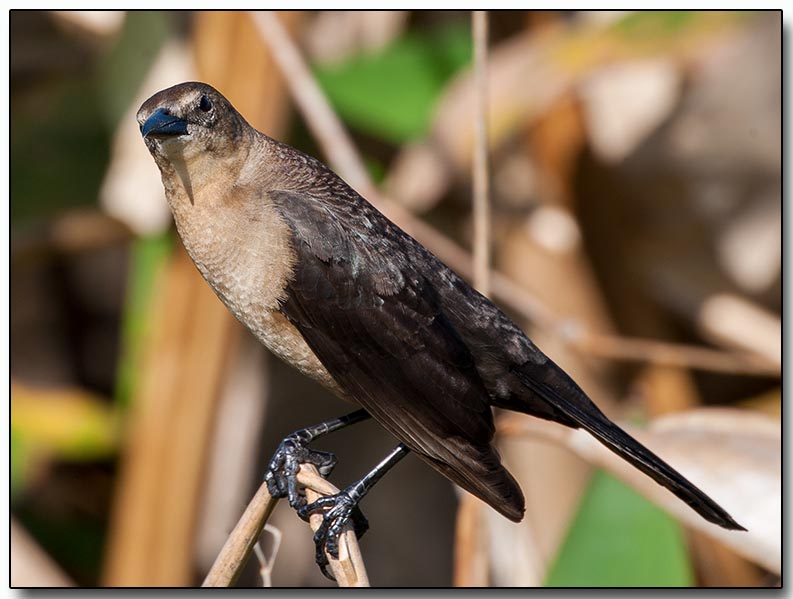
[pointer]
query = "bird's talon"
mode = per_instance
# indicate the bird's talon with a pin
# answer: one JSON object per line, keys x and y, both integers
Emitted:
{"x": 309, "y": 508}
{"x": 323, "y": 563}
{"x": 332, "y": 545}
{"x": 305, "y": 511}
{"x": 281, "y": 477}
{"x": 341, "y": 509}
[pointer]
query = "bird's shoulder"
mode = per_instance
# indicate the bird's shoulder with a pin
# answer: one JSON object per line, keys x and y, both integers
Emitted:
{"x": 334, "y": 224}
{"x": 359, "y": 249}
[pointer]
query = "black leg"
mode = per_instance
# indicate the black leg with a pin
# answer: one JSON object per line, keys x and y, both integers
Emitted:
{"x": 293, "y": 451}
{"x": 344, "y": 505}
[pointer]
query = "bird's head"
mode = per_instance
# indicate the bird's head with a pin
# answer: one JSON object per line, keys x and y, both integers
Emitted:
{"x": 187, "y": 120}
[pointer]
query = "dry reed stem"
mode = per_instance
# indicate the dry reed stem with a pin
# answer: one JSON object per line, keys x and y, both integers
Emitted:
{"x": 337, "y": 146}
{"x": 152, "y": 521}
{"x": 636, "y": 349}
{"x": 481, "y": 174}
{"x": 471, "y": 565}
{"x": 471, "y": 551}
{"x": 239, "y": 545}
{"x": 348, "y": 569}
{"x": 316, "y": 110}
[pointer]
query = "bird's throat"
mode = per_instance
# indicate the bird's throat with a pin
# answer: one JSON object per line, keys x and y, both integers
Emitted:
{"x": 183, "y": 174}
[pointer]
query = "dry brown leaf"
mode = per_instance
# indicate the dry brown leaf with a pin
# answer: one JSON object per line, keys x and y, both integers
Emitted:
{"x": 732, "y": 455}
{"x": 528, "y": 73}
{"x": 738, "y": 322}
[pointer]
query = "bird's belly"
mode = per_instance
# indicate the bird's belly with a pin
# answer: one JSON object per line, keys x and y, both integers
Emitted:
{"x": 274, "y": 331}
{"x": 286, "y": 342}
{"x": 248, "y": 269}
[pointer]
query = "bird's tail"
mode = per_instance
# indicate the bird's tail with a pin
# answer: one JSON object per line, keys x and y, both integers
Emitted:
{"x": 579, "y": 411}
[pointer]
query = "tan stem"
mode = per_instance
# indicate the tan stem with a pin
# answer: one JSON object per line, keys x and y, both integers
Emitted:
{"x": 349, "y": 569}
{"x": 239, "y": 545}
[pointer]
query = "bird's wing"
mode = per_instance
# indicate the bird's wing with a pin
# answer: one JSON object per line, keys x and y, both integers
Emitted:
{"x": 361, "y": 301}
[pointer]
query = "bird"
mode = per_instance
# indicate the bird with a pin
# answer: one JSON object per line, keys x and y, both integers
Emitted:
{"x": 334, "y": 288}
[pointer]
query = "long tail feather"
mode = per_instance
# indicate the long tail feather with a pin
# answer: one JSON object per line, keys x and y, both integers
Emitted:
{"x": 581, "y": 411}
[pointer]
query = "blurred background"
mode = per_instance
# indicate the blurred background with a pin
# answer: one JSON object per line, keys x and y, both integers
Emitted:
{"x": 636, "y": 196}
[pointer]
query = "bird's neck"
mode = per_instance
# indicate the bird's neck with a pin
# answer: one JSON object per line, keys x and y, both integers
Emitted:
{"x": 231, "y": 230}
{"x": 196, "y": 177}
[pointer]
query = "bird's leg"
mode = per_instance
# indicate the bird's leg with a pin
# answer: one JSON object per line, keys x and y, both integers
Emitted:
{"x": 281, "y": 477}
{"x": 341, "y": 507}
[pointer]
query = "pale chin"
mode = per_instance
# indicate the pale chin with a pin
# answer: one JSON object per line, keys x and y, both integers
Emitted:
{"x": 170, "y": 145}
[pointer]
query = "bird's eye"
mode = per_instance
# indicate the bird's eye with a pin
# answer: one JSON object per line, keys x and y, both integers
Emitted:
{"x": 205, "y": 104}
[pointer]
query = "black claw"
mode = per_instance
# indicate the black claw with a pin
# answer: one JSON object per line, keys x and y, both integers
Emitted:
{"x": 272, "y": 487}
{"x": 323, "y": 563}
{"x": 323, "y": 502}
{"x": 281, "y": 477}
{"x": 339, "y": 509}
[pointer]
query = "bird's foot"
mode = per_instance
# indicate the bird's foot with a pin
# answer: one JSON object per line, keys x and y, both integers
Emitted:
{"x": 281, "y": 477}
{"x": 339, "y": 509}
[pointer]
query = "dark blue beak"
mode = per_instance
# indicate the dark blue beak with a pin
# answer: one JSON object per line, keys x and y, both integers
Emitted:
{"x": 162, "y": 124}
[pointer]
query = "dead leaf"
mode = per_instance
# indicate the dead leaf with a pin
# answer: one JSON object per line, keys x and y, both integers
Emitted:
{"x": 732, "y": 455}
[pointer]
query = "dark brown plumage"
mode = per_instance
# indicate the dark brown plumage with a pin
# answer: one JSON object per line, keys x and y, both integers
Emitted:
{"x": 333, "y": 287}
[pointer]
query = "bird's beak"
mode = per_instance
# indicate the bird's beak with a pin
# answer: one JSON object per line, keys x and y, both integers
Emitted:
{"x": 162, "y": 124}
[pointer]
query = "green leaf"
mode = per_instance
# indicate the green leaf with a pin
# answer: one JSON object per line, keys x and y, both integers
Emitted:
{"x": 391, "y": 93}
{"x": 124, "y": 68}
{"x": 20, "y": 461}
{"x": 620, "y": 539}
{"x": 148, "y": 257}
{"x": 655, "y": 22}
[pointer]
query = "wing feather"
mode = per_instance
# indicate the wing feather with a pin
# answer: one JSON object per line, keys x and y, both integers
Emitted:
{"x": 374, "y": 320}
